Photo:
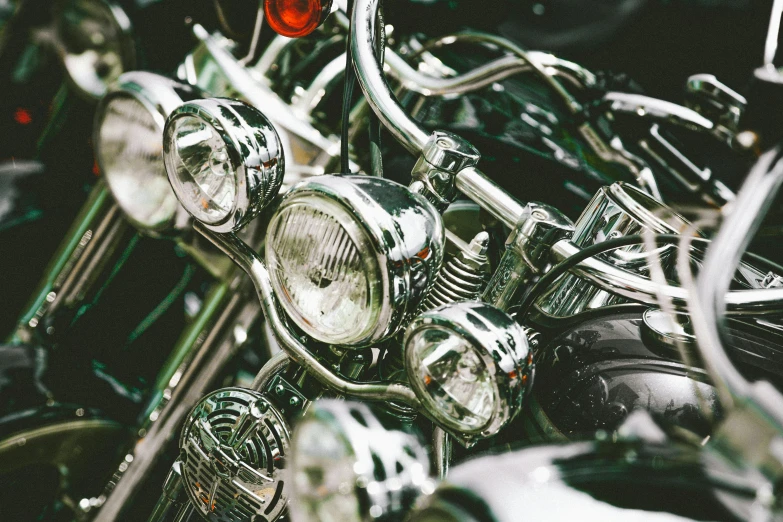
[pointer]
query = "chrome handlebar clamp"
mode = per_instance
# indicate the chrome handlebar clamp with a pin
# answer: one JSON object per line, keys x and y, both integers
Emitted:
{"x": 527, "y": 252}
{"x": 443, "y": 156}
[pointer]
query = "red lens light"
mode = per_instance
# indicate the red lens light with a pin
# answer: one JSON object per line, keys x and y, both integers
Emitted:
{"x": 295, "y": 18}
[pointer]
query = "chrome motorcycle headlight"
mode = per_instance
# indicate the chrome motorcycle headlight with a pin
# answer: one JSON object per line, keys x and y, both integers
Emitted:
{"x": 95, "y": 42}
{"x": 347, "y": 466}
{"x": 470, "y": 364}
{"x": 352, "y": 257}
{"x": 128, "y": 146}
{"x": 224, "y": 160}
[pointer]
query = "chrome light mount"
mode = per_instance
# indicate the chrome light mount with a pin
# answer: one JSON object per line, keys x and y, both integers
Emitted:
{"x": 159, "y": 96}
{"x": 251, "y": 150}
{"x": 403, "y": 233}
{"x": 498, "y": 341}
{"x": 615, "y": 211}
{"x": 233, "y": 449}
{"x": 345, "y": 455}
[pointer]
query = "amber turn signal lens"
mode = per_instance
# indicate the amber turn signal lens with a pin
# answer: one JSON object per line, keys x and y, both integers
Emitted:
{"x": 295, "y": 18}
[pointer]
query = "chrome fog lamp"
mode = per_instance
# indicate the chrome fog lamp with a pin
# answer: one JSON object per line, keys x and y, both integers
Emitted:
{"x": 95, "y": 41}
{"x": 224, "y": 160}
{"x": 352, "y": 257}
{"x": 347, "y": 467}
{"x": 233, "y": 448}
{"x": 470, "y": 364}
{"x": 128, "y": 146}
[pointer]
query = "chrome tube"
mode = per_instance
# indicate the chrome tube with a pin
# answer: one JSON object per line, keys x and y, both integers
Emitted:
{"x": 626, "y": 284}
{"x": 471, "y": 181}
{"x": 481, "y": 76}
{"x": 708, "y": 306}
{"x": 371, "y": 80}
{"x": 252, "y": 264}
{"x": 194, "y": 363}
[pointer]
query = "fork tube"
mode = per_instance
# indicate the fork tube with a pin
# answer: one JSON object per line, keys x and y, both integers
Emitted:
{"x": 198, "y": 356}
{"x": 87, "y": 246}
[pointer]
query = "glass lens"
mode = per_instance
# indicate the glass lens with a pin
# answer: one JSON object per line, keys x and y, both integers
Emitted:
{"x": 204, "y": 176}
{"x": 324, "y": 271}
{"x": 323, "y": 475}
{"x": 454, "y": 378}
{"x": 130, "y": 154}
{"x": 93, "y": 45}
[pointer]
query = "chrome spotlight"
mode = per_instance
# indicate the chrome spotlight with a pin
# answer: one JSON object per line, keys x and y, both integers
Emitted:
{"x": 351, "y": 258}
{"x": 470, "y": 365}
{"x": 233, "y": 449}
{"x": 347, "y": 466}
{"x": 224, "y": 160}
{"x": 128, "y": 146}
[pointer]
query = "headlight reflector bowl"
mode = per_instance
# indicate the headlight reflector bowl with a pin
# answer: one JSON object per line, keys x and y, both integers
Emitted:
{"x": 352, "y": 257}
{"x": 224, "y": 160}
{"x": 469, "y": 363}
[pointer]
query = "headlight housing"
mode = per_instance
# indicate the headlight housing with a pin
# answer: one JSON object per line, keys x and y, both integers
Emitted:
{"x": 470, "y": 365}
{"x": 347, "y": 466}
{"x": 96, "y": 44}
{"x": 128, "y": 147}
{"x": 352, "y": 257}
{"x": 224, "y": 160}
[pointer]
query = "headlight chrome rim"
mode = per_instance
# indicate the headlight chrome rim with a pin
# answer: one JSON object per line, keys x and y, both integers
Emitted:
{"x": 407, "y": 268}
{"x": 255, "y": 154}
{"x": 159, "y": 96}
{"x": 502, "y": 346}
{"x": 123, "y": 28}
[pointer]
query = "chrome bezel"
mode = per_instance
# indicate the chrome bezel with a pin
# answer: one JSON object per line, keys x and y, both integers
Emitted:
{"x": 255, "y": 152}
{"x": 405, "y": 234}
{"x": 124, "y": 27}
{"x": 502, "y": 345}
{"x": 160, "y": 96}
{"x": 401, "y": 456}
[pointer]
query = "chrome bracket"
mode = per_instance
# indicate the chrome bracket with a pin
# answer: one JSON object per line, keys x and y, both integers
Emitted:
{"x": 443, "y": 156}
{"x": 527, "y": 252}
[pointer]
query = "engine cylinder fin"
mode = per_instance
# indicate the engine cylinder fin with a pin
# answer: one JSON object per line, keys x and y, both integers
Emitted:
{"x": 464, "y": 277}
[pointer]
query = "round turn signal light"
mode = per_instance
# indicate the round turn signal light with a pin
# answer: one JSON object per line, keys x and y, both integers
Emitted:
{"x": 296, "y": 18}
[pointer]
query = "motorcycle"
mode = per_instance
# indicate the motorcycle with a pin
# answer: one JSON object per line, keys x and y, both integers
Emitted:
{"x": 466, "y": 366}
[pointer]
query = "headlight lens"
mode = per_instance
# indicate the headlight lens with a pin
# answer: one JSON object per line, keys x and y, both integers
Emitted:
{"x": 348, "y": 466}
{"x": 224, "y": 160}
{"x": 131, "y": 156}
{"x": 202, "y": 170}
{"x": 469, "y": 363}
{"x": 352, "y": 257}
{"x": 457, "y": 379}
{"x": 96, "y": 43}
{"x": 320, "y": 268}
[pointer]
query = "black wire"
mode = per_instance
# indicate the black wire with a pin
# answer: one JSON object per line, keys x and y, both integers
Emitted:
{"x": 593, "y": 250}
{"x": 348, "y": 88}
{"x": 374, "y": 121}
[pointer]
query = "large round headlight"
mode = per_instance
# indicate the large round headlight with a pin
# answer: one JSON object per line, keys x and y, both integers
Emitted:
{"x": 224, "y": 160}
{"x": 95, "y": 41}
{"x": 469, "y": 364}
{"x": 352, "y": 257}
{"x": 128, "y": 144}
{"x": 347, "y": 466}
